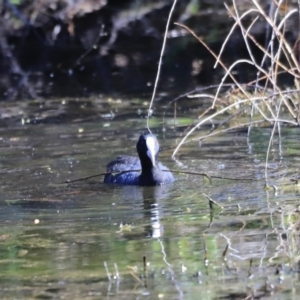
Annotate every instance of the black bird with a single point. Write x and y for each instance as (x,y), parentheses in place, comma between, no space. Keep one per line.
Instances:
(153,172)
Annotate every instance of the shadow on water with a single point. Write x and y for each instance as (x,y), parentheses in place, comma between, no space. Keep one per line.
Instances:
(89,240)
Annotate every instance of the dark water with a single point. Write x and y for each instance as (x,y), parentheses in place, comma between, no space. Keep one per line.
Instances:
(88,240)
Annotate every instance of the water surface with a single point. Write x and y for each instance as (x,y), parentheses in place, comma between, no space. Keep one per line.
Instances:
(88,240)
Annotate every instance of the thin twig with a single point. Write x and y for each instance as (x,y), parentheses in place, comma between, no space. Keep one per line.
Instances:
(170,170)
(160,63)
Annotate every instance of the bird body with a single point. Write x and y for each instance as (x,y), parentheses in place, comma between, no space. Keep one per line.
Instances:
(126,169)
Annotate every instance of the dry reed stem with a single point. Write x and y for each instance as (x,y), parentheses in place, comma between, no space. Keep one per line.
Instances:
(228,73)
(160,62)
(278,33)
(282,60)
(271,76)
(261,70)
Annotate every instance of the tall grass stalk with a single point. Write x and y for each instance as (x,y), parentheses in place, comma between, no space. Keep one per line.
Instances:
(160,62)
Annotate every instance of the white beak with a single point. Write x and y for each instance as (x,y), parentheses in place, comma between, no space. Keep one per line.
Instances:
(151,143)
